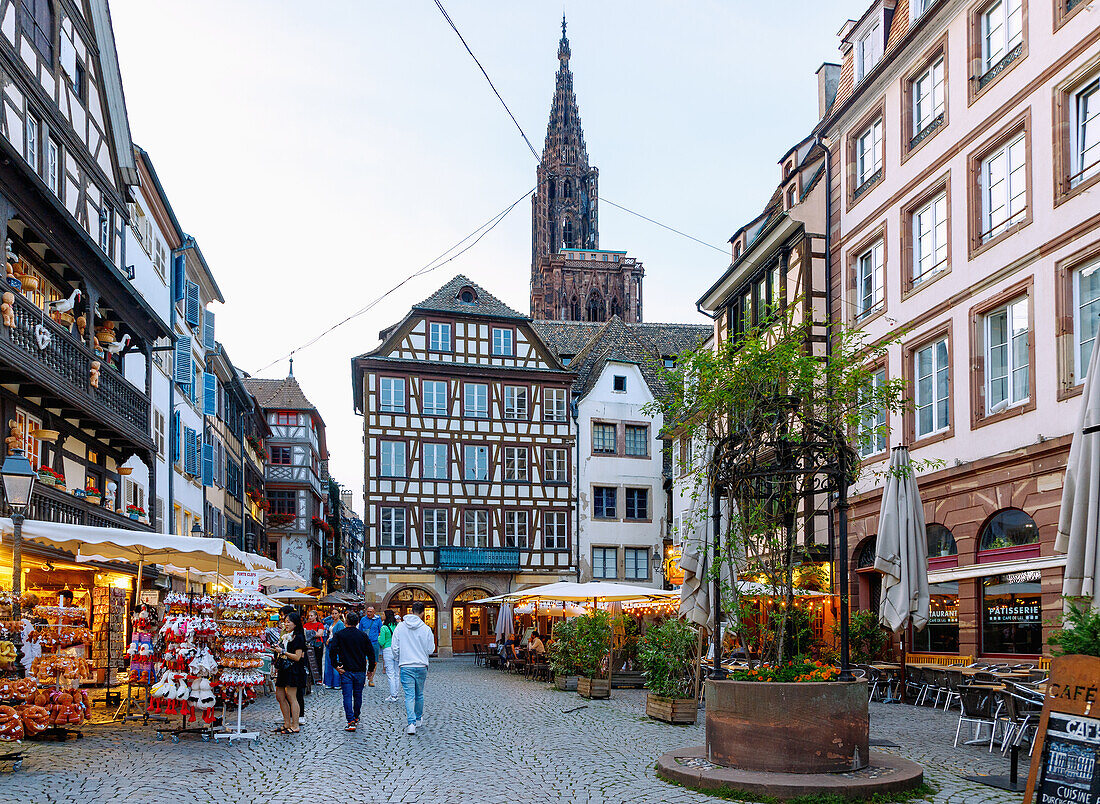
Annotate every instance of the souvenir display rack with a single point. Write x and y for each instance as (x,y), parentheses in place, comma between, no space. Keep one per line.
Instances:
(186,667)
(241,620)
(109,636)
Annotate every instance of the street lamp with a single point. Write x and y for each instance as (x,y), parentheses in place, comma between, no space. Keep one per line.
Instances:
(196,530)
(18,476)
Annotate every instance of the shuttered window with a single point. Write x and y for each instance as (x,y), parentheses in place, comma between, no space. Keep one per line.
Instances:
(191,304)
(183,361)
(190,451)
(210,394)
(208,331)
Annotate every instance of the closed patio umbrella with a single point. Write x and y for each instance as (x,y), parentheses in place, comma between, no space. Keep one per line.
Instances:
(504,627)
(901,551)
(1079,516)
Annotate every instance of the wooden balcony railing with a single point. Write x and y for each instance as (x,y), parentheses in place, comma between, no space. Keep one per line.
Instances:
(63,365)
(50,504)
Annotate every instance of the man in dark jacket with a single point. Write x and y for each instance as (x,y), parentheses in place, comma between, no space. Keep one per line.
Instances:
(353,657)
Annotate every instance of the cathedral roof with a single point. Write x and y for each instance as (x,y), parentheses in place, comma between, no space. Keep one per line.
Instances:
(594,345)
(448,300)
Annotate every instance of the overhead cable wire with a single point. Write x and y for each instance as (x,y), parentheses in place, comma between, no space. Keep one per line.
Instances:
(438,262)
(534,153)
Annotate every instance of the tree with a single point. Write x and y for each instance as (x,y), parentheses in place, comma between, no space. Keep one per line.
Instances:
(768,420)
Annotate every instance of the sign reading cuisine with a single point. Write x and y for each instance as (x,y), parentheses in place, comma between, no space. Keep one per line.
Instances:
(1065,767)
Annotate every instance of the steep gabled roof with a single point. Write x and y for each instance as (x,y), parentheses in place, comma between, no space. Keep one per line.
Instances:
(595,345)
(446,300)
(284,394)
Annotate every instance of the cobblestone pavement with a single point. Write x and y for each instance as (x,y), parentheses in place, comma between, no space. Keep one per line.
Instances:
(486,738)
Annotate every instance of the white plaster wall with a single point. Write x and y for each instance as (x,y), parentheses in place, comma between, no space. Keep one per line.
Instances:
(602,403)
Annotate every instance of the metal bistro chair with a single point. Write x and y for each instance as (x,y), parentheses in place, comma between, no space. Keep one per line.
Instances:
(479,655)
(915,684)
(977,709)
(954,680)
(935,684)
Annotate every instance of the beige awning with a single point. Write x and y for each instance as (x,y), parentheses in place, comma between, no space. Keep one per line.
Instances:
(996,568)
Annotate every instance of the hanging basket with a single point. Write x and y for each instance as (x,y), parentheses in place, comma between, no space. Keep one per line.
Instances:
(45,435)
(28,282)
(104,335)
(125,470)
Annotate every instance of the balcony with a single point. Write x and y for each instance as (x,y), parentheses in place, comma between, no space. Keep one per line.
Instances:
(61,370)
(476,559)
(49,504)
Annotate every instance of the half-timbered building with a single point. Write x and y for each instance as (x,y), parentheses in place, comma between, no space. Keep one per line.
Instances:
(467,436)
(296,451)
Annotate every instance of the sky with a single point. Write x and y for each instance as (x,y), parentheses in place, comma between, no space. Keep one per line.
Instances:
(321,152)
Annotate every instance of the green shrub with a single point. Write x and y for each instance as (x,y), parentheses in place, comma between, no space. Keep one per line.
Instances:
(1080,633)
(593,636)
(667,655)
(867,639)
(562,651)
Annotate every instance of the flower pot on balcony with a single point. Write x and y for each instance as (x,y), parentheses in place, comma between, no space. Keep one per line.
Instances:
(593,687)
(134,515)
(45,478)
(125,470)
(566,683)
(94,499)
(779,727)
(671,710)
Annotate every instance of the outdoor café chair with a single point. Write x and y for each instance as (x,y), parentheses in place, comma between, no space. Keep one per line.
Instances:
(479,655)
(977,709)
(954,681)
(878,682)
(915,684)
(985,677)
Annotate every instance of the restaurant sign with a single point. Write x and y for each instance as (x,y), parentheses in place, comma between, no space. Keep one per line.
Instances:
(1064,766)
(1017,613)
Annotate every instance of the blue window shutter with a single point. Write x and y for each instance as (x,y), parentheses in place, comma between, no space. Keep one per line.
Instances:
(208,331)
(175,436)
(208,464)
(179,276)
(191,304)
(190,451)
(209,394)
(183,361)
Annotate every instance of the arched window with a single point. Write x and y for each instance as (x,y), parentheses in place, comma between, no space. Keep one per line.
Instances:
(467,295)
(411,594)
(575,309)
(865,556)
(36,23)
(567,189)
(552,187)
(941,543)
(616,308)
(594,309)
(567,234)
(470,595)
(737,249)
(1009,527)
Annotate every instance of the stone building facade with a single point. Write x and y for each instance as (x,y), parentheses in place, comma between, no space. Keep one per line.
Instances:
(571,278)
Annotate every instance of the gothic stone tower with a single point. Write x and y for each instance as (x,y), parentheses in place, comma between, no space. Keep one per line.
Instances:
(571,279)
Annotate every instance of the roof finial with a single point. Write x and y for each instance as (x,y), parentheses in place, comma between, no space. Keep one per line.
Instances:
(291,367)
(563,24)
(563,45)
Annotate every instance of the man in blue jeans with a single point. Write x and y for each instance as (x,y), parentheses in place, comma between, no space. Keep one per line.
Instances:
(371,625)
(413,642)
(352,656)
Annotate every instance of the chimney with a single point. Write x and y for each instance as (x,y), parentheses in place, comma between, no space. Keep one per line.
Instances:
(828,77)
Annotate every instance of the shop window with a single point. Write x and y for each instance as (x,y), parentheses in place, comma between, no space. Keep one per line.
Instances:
(941,634)
(1012,613)
(1009,529)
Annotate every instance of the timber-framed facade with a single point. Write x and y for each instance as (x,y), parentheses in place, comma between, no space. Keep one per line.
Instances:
(468,479)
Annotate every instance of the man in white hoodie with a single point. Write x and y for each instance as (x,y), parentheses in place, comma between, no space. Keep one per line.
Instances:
(412,643)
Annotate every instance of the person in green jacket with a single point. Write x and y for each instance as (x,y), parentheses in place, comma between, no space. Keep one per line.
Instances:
(385,641)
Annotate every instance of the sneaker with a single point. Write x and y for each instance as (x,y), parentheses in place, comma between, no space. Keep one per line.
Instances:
(391,699)
(349,727)
(420,722)
(411,729)
(301,719)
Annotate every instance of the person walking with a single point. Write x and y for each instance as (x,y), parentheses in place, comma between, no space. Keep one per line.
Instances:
(334,625)
(413,642)
(385,641)
(290,671)
(353,657)
(371,625)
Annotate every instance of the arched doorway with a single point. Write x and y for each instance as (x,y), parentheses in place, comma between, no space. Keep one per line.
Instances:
(470,622)
(402,600)
(870,579)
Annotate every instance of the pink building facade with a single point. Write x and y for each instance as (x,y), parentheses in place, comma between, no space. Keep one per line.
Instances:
(964,223)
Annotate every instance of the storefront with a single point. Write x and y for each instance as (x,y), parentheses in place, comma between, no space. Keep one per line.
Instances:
(470,622)
(402,601)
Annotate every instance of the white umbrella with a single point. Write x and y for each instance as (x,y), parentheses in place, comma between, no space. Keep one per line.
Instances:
(593,590)
(1079,516)
(281,578)
(697,564)
(901,548)
(504,622)
(292,596)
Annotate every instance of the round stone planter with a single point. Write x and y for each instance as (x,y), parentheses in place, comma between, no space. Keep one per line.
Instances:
(813,727)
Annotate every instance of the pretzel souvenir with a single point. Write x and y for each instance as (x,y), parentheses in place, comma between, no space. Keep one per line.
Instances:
(11,726)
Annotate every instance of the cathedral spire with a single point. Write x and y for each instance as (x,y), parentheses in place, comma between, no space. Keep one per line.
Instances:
(563,45)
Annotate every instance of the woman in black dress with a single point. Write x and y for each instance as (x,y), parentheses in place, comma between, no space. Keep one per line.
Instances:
(290,672)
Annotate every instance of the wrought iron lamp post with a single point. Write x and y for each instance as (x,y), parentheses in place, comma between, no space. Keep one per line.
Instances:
(18,476)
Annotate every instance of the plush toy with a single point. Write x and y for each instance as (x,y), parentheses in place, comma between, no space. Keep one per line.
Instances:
(93,374)
(14,440)
(7,655)
(141,650)
(81,323)
(8,308)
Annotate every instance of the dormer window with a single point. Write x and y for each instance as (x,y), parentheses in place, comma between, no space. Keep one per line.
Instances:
(792,196)
(738,248)
(918,7)
(467,295)
(868,50)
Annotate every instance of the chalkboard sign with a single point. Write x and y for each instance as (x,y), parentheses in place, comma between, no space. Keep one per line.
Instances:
(1065,767)
(1069,771)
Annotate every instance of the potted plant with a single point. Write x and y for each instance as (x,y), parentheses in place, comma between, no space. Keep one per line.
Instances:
(767,418)
(667,654)
(593,647)
(135,511)
(91,492)
(50,477)
(562,654)
(279,520)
